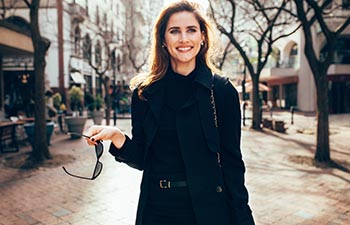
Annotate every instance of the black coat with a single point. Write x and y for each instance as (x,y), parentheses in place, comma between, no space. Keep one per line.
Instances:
(218,194)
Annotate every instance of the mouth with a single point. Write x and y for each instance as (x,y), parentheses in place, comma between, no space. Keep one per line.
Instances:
(184,49)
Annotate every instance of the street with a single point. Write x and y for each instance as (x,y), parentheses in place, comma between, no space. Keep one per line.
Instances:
(284,187)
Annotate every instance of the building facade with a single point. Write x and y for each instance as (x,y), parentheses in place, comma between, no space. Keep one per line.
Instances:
(287,80)
(289,77)
(84,34)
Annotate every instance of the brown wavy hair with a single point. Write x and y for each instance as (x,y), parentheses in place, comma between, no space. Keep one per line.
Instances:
(159,58)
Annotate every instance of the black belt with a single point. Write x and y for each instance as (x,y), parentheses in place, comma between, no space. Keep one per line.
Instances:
(165,184)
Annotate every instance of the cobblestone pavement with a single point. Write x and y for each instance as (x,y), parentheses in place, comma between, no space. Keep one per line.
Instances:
(282,189)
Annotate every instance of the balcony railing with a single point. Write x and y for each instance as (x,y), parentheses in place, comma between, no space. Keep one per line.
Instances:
(78,12)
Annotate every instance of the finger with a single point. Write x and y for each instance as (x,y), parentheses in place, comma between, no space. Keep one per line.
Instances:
(89,141)
(97,137)
(93,130)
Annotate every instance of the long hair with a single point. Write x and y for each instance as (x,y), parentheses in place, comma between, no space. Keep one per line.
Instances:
(159,58)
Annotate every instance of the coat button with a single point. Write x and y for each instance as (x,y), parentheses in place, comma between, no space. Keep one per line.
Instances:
(218,189)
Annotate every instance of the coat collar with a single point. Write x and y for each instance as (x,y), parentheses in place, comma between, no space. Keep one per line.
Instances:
(155,92)
(203,77)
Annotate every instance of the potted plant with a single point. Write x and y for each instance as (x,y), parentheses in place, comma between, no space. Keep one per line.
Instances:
(57,102)
(75,123)
(57,99)
(96,112)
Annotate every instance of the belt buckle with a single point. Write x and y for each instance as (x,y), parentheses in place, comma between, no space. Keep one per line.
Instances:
(164,184)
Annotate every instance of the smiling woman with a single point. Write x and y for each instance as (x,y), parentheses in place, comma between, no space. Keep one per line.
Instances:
(193,172)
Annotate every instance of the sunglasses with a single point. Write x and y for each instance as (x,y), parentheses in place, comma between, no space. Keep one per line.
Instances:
(98,165)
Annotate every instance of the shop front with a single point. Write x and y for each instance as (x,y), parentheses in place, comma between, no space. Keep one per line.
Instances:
(16,70)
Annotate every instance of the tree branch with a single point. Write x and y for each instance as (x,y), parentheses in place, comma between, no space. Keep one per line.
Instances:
(27,3)
(318,14)
(342,27)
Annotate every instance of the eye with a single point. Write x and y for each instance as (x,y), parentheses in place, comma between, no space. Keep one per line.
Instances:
(192,30)
(174,31)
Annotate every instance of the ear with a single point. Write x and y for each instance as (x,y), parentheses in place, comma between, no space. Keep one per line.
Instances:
(203,36)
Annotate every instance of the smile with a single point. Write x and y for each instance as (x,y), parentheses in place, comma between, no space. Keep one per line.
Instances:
(183,49)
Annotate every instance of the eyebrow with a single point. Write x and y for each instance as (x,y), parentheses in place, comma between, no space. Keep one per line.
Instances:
(188,27)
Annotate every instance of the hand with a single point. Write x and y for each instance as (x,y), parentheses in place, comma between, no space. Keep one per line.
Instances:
(98,133)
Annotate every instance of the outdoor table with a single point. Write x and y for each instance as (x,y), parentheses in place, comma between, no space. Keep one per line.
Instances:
(8,132)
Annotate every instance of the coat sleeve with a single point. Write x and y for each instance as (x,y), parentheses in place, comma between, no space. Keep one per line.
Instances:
(233,168)
(132,151)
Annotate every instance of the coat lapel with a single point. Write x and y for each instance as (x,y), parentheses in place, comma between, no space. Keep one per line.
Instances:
(155,97)
(202,93)
(207,119)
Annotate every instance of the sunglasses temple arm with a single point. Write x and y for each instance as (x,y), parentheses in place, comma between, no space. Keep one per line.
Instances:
(86,178)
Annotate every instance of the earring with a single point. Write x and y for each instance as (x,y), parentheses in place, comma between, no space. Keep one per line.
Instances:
(202,43)
(163,46)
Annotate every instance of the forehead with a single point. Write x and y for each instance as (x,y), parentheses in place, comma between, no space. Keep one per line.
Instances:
(182,19)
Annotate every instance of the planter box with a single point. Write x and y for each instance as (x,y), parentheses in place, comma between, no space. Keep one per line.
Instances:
(75,124)
(97,117)
(268,123)
(279,126)
(30,131)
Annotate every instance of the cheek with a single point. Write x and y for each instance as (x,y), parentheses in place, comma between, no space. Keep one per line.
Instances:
(168,39)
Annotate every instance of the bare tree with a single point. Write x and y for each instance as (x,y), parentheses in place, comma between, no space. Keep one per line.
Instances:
(101,66)
(138,32)
(224,55)
(41,45)
(311,13)
(264,23)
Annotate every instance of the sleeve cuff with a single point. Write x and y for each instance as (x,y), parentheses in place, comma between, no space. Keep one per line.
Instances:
(117,152)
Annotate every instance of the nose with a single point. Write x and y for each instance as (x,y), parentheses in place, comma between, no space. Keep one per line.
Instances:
(183,37)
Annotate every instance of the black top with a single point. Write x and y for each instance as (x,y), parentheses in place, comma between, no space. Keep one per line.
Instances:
(199,142)
(166,155)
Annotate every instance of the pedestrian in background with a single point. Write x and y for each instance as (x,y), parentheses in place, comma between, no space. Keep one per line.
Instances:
(186,129)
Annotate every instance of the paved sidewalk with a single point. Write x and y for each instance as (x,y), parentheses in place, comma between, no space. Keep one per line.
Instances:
(282,189)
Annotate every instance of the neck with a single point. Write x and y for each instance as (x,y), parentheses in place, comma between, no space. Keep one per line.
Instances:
(183,69)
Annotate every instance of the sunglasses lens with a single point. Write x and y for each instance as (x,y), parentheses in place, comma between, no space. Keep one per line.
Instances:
(99,150)
(98,170)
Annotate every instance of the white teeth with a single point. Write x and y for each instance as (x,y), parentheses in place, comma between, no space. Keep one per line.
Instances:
(184,49)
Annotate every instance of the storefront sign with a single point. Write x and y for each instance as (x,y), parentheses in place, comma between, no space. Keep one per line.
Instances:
(18,63)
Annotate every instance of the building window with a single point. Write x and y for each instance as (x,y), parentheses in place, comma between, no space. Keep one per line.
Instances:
(113,60)
(346,4)
(293,57)
(87,7)
(97,17)
(87,48)
(341,51)
(77,37)
(98,54)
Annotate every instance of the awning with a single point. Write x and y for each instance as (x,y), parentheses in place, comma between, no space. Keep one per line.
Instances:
(279,80)
(77,78)
(249,87)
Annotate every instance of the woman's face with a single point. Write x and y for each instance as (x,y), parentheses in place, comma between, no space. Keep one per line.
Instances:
(183,39)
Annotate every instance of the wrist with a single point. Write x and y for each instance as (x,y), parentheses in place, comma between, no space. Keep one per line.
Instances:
(118,139)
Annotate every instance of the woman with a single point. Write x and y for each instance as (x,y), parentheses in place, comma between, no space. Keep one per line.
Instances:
(193,170)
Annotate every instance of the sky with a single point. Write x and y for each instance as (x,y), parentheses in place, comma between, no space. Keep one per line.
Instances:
(204,3)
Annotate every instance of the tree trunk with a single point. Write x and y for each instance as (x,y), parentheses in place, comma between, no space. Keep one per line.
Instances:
(108,100)
(322,148)
(256,118)
(40,150)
